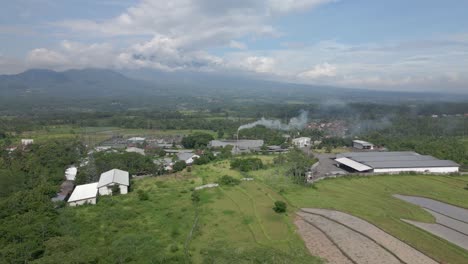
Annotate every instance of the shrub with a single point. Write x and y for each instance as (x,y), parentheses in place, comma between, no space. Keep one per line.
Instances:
(195,197)
(179,165)
(228,180)
(247,164)
(280,207)
(142,195)
(115,189)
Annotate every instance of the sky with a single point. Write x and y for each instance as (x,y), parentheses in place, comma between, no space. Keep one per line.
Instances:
(417,45)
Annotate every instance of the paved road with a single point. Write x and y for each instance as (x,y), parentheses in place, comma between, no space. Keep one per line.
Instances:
(451,221)
(455,212)
(327,165)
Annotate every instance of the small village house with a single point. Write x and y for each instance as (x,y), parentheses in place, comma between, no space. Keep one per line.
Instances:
(189,158)
(84,194)
(301,142)
(112,178)
(26,142)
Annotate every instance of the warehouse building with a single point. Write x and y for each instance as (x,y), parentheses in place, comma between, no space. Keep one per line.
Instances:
(394,162)
(361,144)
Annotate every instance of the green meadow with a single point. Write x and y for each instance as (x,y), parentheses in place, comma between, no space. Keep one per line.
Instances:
(236,224)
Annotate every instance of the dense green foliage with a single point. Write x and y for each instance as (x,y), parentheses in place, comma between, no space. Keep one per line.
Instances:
(297,164)
(246,164)
(179,166)
(134,163)
(28,180)
(197,140)
(228,180)
(280,207)
(270,136)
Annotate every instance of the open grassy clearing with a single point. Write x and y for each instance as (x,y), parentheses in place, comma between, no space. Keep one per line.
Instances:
(94,135)
(371,198)
(125,229)
(237,224)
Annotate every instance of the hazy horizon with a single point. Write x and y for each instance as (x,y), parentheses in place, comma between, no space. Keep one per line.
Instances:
(377,45)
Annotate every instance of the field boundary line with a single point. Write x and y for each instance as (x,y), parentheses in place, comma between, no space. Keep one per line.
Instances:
(354,230)
(240,210)
(382,231)
(190,234)
(329,238)
(253,204)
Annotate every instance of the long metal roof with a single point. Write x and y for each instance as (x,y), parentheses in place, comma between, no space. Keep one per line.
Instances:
(353,164)
(396,159)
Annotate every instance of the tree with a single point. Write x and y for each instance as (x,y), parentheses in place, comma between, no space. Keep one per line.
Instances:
(280,207)
(298,163)
(115,189)
(228,180)
(220,133)
(247,164)
(179,166)
(197,140)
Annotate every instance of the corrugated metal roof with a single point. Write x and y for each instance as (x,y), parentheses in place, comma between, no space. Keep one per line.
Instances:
(353,164)
(362,142)
(242,144)
(412,164)
(396,159)
(85,191)
(114,176)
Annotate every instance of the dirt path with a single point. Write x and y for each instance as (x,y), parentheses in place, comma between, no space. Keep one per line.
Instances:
(401,250)
(318,243)
(357,247)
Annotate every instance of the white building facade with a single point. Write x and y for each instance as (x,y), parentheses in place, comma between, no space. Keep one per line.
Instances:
(301,142)
(112,178)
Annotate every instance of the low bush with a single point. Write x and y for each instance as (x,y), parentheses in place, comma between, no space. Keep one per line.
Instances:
(280,207)
(228,180)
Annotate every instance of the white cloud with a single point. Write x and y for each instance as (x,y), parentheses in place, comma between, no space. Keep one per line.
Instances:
(237,45)
(321,70)
(259,64)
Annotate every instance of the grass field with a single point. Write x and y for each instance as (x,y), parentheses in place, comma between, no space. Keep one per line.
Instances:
(237,224)
(94,135)
(371,198)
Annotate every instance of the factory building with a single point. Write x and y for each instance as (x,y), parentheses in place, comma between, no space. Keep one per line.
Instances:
(394,162)
(361,144)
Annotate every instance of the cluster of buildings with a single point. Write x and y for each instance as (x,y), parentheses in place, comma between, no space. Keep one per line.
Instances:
(367,158)
(336,128)
(108,182)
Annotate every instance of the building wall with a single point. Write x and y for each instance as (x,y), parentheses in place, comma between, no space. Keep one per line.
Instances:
(431,170)
(107,190)
(302,142)
(81,202)
(361,146)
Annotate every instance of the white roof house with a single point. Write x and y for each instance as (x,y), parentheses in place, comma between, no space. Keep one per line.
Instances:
(361,144)
(84,194)
(301,142)
(70,173)
(26,142)
(137,139)
(135,150)
(113,177)
(189,158)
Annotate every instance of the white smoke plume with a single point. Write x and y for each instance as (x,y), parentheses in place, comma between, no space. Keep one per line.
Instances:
(298,122)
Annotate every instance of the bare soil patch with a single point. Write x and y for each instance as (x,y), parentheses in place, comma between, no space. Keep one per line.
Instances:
(318,243)
(356,246)
(400,249)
